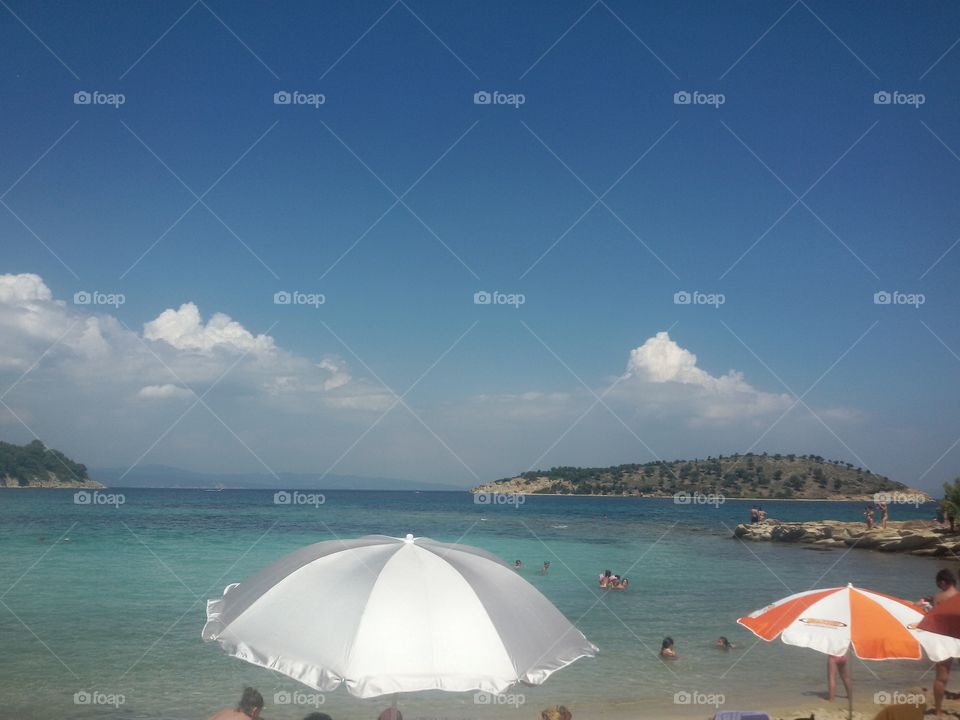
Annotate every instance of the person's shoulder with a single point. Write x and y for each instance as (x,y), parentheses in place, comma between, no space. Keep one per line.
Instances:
(228,714)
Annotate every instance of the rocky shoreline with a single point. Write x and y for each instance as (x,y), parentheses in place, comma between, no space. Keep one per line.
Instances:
(9,483)
(924,538)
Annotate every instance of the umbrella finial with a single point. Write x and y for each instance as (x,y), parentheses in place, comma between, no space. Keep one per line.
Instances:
(408,538)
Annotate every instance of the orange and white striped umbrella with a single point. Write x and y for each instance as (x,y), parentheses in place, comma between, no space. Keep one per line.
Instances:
(878,626)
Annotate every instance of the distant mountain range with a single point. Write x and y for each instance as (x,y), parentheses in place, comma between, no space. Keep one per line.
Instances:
(799,477)
(166,476)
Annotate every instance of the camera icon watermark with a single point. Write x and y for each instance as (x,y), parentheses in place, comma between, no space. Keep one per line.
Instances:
(95,97)
(490,498)
(699,498)
(884,697)
(86,497)
(682,297)
(295,97)
(695,97)
(84,297)
(296,297)
(95,697)
(883,297)
(509,699)
(298,697)
(900,498)
(294,497)
(693,697)
(484,97)
(482,297)
(895,97)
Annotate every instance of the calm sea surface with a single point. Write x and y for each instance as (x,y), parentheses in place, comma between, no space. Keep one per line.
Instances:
(110,600)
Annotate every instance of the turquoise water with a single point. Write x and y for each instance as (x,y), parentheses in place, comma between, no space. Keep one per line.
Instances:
(117,605)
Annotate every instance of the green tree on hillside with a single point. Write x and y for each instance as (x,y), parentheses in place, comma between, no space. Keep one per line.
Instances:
(950,504)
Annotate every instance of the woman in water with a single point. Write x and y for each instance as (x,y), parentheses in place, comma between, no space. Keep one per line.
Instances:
(724,644)
(666,649)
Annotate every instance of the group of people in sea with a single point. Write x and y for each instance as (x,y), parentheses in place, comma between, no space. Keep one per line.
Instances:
(544,569)
(251,705)
(669,652)
(609,581)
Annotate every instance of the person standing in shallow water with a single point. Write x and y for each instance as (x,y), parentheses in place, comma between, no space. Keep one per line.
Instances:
(947,586)
(838,665)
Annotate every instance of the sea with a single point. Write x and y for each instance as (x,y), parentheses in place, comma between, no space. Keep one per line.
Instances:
(102,599)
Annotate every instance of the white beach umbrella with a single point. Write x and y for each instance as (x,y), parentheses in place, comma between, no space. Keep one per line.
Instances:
(387,615)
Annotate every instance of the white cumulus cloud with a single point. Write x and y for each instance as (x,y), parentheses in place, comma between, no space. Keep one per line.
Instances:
(23,288)
(184,329)
(663,366)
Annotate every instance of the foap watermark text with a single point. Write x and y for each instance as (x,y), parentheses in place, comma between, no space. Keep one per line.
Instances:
(699,498)
(884,697)
(295,97)
(895,97)
(96,697)
(283,297)
(900,498)
(298,697)
(86,497)
(95,97)
(695,97)
(693,697)
(509,699)
(483,97)
(884,297)
(482,297)
(682,297)
(294,497)
(84,297)
(489,498)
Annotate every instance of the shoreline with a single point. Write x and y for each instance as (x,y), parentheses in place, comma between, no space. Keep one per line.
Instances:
(862,499)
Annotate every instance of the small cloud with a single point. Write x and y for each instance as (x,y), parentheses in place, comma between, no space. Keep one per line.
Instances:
(163,392)
(184,329)
(338,374)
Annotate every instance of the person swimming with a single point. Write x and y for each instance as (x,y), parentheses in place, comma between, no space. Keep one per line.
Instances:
(724,644)
(605,578)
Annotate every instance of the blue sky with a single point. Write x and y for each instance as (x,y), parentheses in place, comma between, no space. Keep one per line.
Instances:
(598,199)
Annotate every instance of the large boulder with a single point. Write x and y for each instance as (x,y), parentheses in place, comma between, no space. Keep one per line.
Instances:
(915,541)
(788,533)
(873,539)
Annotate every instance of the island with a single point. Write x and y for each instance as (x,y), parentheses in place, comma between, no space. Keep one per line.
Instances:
(748,476)
(34,465)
